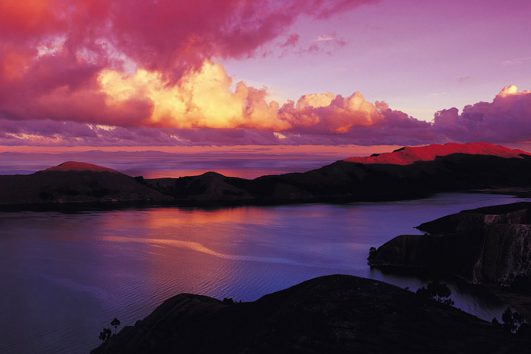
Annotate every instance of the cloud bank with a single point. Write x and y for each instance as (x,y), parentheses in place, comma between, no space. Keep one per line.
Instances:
(136,72)
(313,119)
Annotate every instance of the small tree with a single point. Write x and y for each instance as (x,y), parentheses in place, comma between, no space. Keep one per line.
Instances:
(513,322)
(228,301)
(105,334)
(372,253)
(437,291)
(115,324)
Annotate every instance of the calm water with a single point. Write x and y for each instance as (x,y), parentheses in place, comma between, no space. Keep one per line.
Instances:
(65,276)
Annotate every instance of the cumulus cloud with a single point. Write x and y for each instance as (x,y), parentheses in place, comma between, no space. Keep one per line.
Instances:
(144,72)
(53,53)
(506,119)
(201,99)
(251,119)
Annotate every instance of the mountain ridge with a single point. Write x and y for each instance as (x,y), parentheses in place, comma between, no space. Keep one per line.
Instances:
(408,155)
(77,183)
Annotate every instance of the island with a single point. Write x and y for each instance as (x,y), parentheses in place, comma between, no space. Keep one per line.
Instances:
(406,173)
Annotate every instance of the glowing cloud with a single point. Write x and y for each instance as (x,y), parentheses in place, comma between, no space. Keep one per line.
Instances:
(200,99)
(80,71)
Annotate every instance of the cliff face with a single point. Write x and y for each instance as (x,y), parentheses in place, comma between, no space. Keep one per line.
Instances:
(505,256)
(332,314)
(485,246)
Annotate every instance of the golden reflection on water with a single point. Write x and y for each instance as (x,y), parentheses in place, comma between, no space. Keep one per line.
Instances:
(195,250)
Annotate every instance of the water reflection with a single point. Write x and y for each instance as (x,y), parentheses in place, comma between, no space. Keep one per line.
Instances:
(66,275)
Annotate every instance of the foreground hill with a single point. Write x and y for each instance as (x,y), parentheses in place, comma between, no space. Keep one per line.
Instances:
(332,314)
(410,172)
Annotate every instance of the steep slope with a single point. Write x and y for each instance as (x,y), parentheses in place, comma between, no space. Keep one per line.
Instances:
(489,246)
(332,314)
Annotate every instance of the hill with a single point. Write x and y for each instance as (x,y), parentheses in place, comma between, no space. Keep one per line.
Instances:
(410,172)
(408,155)
(74,183)
(331,314)
(489,167)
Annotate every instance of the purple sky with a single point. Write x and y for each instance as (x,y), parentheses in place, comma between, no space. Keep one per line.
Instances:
(234,72)
(420,56)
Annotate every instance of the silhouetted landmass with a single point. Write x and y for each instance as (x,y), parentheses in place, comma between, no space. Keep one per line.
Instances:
(489,246)
(343,181)
(332,314)
(74,183)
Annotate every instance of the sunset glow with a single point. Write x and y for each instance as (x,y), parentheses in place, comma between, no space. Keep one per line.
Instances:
(265,176)
(229,72)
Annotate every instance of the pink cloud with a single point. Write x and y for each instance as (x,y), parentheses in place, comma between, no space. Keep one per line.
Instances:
(506,119)
(314,119)
(140,72)
(291,41)
(52,52)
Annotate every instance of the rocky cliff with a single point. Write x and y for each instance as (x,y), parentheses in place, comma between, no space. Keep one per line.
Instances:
(332,314)
(489,246)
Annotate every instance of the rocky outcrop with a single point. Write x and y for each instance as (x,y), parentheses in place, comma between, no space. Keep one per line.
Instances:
(332,314)
(489,246)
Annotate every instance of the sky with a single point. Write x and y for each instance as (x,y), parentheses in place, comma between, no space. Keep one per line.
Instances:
(264,72)
(247,161)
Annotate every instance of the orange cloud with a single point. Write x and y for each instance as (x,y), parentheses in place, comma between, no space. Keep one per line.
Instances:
(200,99)
(205,99)
(96,54)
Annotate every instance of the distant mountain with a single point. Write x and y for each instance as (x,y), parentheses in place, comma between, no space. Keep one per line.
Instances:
(408,155)
(71,166)
(73,183)
(430,169)
(410,172)
(332,314)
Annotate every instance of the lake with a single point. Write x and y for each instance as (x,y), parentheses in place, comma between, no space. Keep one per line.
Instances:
(67,275)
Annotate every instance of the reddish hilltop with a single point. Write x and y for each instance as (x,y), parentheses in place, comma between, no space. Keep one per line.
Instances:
(80,166)
(408,155)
